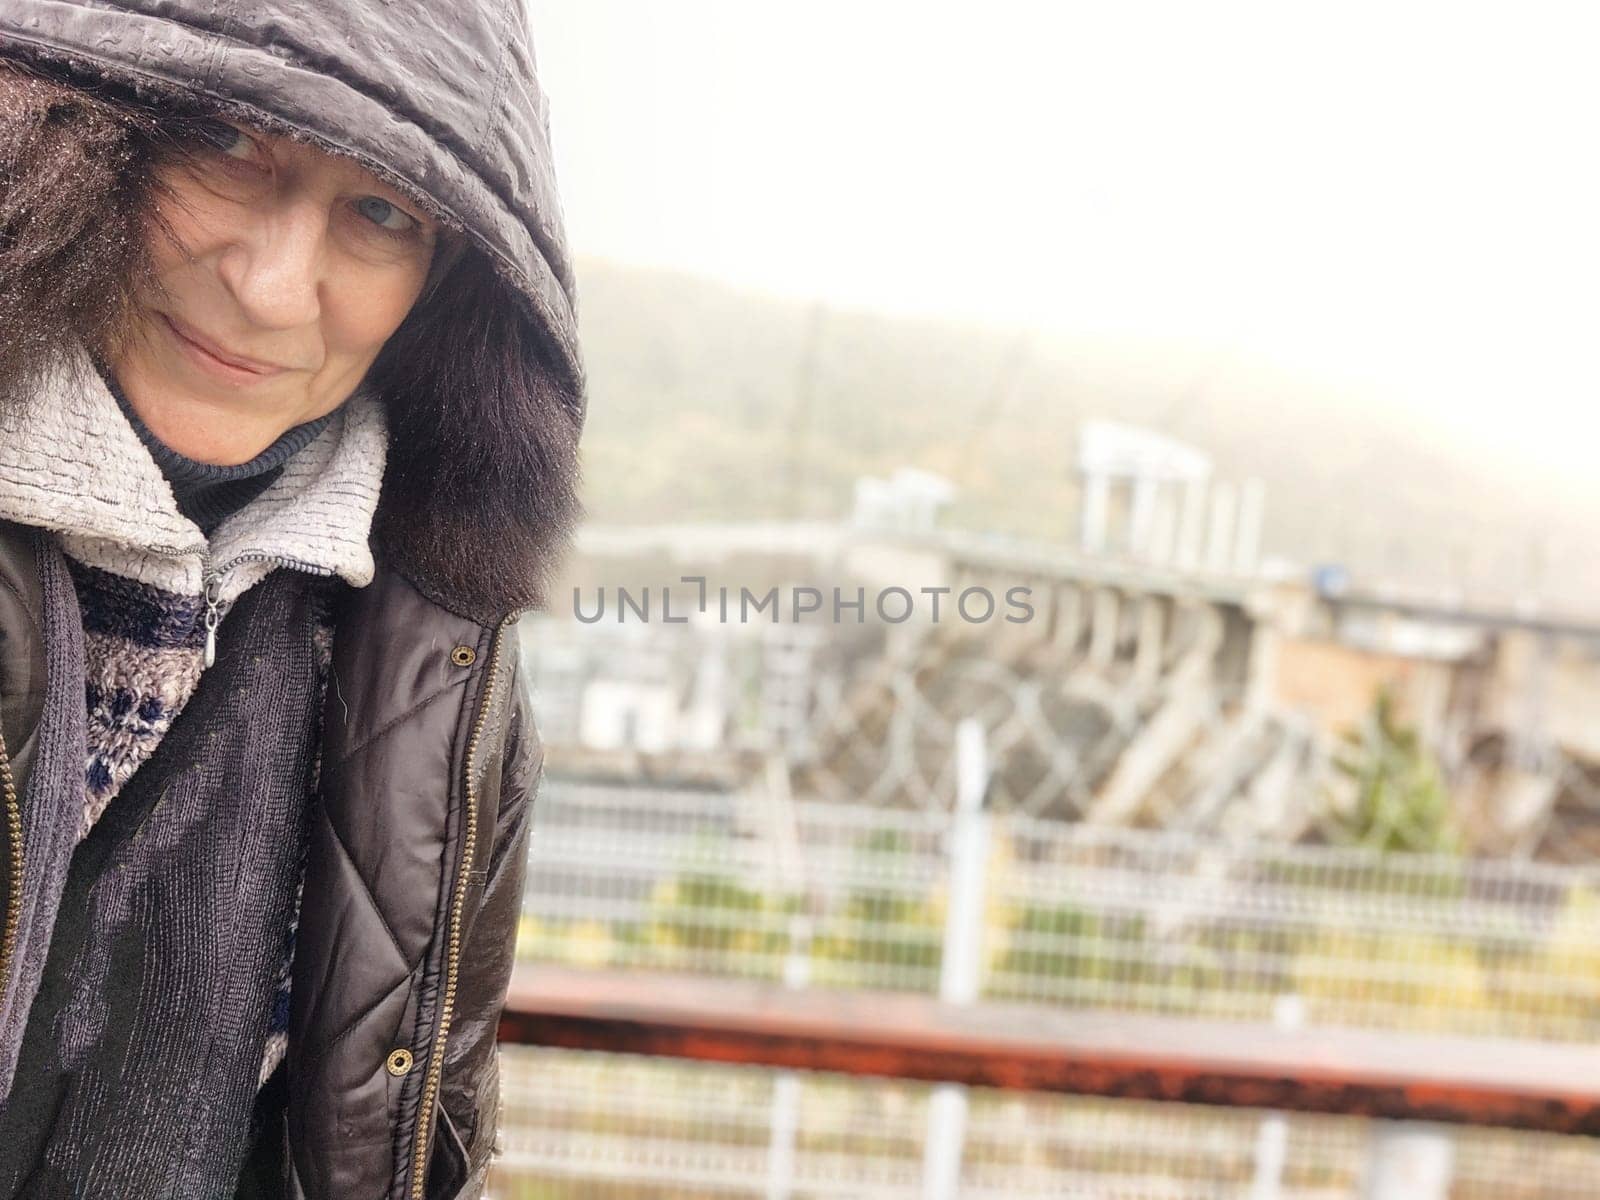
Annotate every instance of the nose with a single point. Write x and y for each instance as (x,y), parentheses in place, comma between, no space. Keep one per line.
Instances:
(274,266)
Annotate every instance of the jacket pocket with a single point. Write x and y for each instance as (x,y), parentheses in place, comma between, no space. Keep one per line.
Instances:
(447,1163)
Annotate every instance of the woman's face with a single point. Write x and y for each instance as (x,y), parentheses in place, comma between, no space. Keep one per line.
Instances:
(287,270)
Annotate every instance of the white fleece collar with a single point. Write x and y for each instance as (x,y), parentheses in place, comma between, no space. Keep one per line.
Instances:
(71,463)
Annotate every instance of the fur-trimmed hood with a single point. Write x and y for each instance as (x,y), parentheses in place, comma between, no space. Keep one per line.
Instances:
(483,384)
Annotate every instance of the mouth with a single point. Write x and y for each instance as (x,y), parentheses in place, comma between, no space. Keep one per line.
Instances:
(208,355)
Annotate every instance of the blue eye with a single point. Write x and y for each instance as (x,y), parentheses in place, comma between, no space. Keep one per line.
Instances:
(227,139)
(380,212)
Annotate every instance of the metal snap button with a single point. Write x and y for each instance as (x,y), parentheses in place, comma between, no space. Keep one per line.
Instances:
(463,656)
(399,1061)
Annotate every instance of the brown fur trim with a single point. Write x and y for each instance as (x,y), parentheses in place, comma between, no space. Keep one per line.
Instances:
(480,494)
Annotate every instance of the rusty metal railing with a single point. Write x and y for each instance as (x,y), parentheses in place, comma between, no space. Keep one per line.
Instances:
(1503,1083)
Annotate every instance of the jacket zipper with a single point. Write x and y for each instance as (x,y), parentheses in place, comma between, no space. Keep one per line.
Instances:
(211,578)
(430,1085)
(211,583)
(13,918)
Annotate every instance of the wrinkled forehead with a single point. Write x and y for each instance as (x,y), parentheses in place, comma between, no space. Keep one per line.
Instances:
(296,150)
(293,146)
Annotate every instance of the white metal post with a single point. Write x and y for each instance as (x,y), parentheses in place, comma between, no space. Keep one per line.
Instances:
(1272,1136)
(1409,1160)
(961,967)
(785,1118)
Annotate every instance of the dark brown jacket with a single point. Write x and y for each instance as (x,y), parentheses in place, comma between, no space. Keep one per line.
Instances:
(415,869)
(413,884)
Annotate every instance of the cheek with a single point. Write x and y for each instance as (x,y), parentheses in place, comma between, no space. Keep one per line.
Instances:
(361,311)
(195,222)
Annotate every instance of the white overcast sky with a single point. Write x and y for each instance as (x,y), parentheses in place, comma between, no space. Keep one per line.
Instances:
(1402,197)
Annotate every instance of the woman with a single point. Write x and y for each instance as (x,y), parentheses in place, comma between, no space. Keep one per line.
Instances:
(290,398)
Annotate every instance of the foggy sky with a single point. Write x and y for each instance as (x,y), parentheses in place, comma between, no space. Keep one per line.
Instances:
(1397,200)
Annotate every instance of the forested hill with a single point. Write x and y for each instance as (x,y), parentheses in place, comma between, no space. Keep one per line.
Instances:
(708,403)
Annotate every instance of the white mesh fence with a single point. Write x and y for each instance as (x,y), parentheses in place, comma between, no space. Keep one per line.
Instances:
(1131,920)
(744,885)
(617,1127)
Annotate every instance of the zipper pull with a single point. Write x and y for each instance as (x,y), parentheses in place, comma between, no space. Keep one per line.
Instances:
(213,617)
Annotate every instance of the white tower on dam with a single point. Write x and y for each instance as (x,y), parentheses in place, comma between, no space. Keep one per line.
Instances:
(1176,515)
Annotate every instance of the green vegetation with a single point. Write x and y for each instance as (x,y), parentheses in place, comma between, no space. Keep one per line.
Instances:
(1400,798)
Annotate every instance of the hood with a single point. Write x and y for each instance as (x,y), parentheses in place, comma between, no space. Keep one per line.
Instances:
(485,402)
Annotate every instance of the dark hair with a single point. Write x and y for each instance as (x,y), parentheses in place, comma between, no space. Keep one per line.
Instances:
(480,493)
(71,256)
